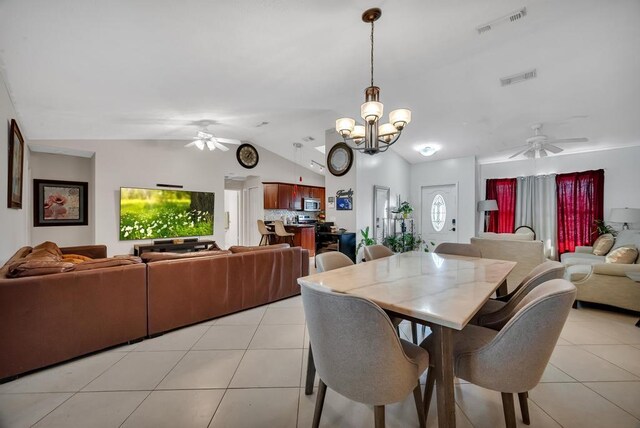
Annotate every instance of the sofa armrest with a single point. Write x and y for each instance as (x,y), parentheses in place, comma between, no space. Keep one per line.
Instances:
(615,269)
(93,251)
(584,249)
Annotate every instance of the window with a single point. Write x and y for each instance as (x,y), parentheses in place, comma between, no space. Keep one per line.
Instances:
(438,212)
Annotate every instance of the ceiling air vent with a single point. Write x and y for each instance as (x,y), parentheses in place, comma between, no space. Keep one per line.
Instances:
(520,77)
(512,17)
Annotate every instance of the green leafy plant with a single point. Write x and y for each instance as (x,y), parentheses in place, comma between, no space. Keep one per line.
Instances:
(403,242)
(366,239)
(427,244)
(602,228)
(405,209)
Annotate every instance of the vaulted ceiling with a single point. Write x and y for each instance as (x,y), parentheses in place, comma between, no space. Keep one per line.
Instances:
(162,69)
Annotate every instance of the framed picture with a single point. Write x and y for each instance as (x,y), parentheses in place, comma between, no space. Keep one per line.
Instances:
(344,203)
(331,200)
(60,203)
(16,157)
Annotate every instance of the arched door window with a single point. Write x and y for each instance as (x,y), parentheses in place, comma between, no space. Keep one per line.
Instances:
(438,212)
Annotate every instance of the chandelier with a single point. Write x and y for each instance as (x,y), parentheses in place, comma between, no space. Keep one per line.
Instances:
(373,137)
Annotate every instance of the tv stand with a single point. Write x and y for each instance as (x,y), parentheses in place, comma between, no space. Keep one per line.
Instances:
(185,247)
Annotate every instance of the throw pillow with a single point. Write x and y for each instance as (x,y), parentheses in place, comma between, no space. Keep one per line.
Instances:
(20,254)
(49,247)
(623,255)
(603,244)
(27,267)
(75,258)
(107,262)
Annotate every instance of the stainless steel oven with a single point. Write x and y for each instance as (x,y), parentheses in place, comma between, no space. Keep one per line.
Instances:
(311,204)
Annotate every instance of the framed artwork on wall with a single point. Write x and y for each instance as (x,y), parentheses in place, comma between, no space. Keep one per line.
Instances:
(60,203)
(16,158)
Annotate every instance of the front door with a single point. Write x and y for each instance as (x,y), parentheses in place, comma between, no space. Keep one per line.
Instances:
(439,213)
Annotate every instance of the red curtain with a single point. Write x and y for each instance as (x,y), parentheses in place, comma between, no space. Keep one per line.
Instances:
(503,190)
(580,202)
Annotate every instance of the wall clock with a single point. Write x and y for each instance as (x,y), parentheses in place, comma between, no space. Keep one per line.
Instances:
(340,159)
(247,155)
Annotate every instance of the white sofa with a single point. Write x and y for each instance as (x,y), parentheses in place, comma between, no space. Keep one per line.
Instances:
(605,283)
(516,247)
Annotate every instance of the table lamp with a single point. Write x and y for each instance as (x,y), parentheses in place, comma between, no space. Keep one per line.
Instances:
(625,216)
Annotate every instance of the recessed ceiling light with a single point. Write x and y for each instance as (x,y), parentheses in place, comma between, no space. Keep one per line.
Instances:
(428,150)
(321,149)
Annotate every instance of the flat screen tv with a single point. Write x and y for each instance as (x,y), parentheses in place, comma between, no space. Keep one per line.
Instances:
(159,213)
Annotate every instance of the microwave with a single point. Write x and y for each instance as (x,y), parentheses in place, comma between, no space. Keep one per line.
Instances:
(310,204)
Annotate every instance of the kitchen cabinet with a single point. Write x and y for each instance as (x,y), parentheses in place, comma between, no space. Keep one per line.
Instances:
(305,237)
(280,196)
(271,196)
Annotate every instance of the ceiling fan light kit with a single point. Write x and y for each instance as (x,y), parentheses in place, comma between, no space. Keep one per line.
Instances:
(539,145)
(373,137)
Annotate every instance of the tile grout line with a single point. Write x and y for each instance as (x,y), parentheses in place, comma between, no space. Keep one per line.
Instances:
(236,370)
(624,410)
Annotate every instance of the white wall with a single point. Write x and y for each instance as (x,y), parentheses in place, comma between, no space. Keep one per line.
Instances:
(68,168)
(13,222)
(621,173)
(460,171)
(386,169)
(344,219)
(145,163)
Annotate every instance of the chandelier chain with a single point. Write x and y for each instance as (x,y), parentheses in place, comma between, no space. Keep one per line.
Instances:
(371,53)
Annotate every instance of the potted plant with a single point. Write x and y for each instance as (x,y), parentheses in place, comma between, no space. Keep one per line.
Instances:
(366,239)
(602,228)
(405,209)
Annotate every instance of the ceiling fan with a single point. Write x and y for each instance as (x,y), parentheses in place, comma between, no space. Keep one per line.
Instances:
(204,139)
(539,144)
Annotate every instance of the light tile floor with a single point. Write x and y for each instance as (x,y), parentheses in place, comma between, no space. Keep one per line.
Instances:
(247,370)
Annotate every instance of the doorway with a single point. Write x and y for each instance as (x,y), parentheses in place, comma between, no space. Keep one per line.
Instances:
(232,217)
(381,201)
(439,213)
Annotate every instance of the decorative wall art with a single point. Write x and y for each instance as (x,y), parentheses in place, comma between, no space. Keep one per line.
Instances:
(16,157)
(60,203)
(331,201)
(344,200)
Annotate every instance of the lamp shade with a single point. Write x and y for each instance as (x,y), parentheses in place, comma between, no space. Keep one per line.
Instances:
(625,215)
(345,125)
(371,111)
(358,131)
(400,117)
(488,205)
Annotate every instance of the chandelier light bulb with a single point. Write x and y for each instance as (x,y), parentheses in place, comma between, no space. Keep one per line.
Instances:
(371,111)
(344,126)
(400,118)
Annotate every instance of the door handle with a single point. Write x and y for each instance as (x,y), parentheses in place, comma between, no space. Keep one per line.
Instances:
(453,229)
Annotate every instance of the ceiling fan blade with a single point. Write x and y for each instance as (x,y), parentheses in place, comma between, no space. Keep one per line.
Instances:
(530,154)
(211,145)
(228,140)
(553,149)
(570,140)
(518,153)
(193,143)
(543,153)
(220,146)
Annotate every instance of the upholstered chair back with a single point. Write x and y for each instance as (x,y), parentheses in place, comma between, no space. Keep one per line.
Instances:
(262,228)
(373,252)
(332,260)
(454,248)
(355,348)
(515,359)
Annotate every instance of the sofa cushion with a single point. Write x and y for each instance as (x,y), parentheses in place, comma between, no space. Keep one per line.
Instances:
(507,236)
(153,256)
(35,267)
(240,249)
(603,244)
(627,237)
(20,254)
(107,262)
(580,258)
(623,255)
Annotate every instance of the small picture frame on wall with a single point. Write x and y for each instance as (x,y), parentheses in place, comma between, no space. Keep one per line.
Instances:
(16,158)
(60,203)
(344,204)
(331,201)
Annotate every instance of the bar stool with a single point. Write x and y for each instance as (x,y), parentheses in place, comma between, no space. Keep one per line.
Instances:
(281,233)
(266,235)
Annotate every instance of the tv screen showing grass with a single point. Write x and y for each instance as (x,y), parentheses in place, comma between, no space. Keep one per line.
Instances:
(158,213)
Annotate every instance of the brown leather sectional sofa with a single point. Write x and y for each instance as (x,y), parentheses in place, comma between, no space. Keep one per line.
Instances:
(187,291)
(48,319)
(52,318)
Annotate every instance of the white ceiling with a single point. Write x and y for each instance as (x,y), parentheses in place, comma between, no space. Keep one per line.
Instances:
(155,69)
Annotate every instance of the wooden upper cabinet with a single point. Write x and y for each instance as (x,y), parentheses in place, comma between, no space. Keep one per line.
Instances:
(280,196)
(271,196)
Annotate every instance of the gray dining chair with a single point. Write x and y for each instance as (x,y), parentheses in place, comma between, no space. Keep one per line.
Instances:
(456,249)
(496,312)
(372,252)
(513,359)
(358,354)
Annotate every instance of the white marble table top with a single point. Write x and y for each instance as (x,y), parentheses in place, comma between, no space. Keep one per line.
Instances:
(437,288)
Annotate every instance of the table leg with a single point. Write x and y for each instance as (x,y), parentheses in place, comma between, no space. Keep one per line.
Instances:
(502,289)
(444,376)
(311,374)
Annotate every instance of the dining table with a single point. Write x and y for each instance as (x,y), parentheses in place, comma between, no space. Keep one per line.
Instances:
(441,291)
